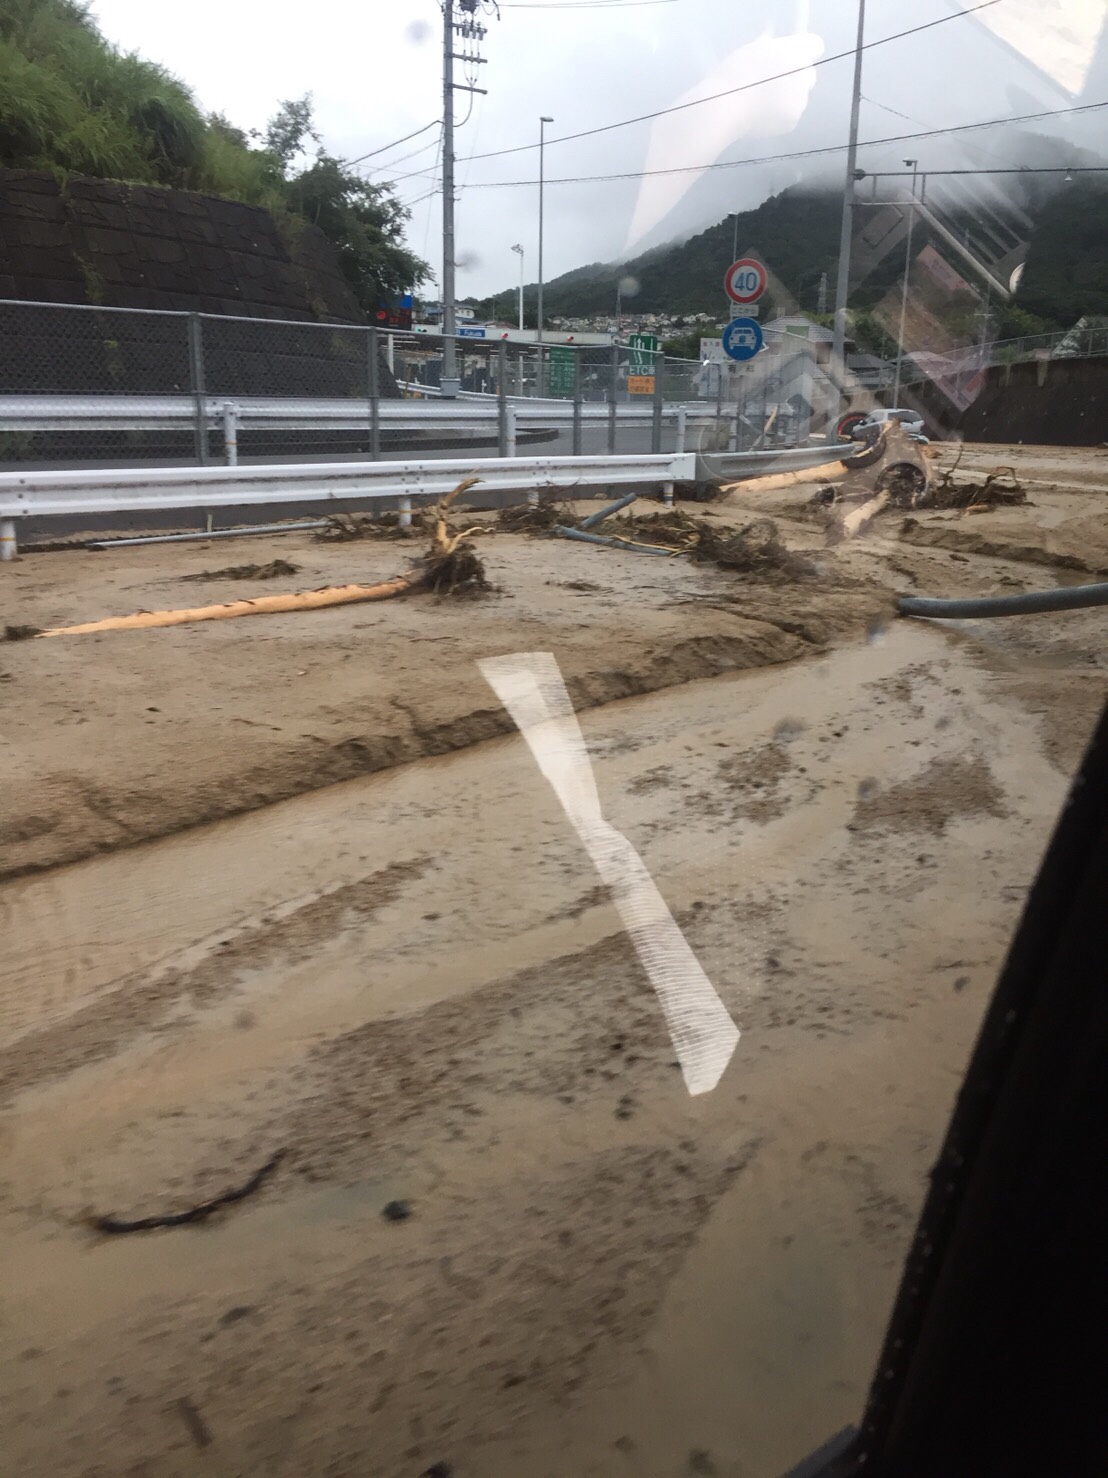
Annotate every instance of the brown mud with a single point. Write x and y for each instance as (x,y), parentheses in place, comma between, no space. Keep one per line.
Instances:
(392,960)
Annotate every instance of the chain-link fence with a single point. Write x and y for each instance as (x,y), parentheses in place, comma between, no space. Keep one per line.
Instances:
(83,384)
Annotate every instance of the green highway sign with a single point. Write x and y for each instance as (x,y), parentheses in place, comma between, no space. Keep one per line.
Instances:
(559,371)
(643,348)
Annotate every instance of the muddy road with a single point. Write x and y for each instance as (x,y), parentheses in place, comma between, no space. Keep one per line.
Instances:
(395,963)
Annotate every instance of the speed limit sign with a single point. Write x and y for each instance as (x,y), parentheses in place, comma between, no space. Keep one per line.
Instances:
(745,281)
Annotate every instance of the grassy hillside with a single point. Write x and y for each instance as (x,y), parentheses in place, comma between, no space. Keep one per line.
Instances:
(73,104)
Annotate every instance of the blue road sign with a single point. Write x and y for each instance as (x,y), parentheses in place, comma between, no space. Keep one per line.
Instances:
(742,338)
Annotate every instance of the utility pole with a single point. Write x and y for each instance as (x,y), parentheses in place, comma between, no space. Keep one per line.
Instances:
(846,237)
(543,121)
(914,163)
(449,384)
(467,28)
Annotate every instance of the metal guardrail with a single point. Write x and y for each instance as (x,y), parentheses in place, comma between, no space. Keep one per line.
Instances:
(63,414)
(136,489)
(726,466)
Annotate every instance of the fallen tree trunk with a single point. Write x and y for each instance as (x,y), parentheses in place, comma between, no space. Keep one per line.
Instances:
(449,564)
(828,472)
(856,521)
(304,600)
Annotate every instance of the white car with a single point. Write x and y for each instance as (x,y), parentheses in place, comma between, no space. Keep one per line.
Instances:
(911,422)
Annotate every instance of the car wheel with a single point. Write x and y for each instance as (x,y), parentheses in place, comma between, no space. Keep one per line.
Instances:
(846,425)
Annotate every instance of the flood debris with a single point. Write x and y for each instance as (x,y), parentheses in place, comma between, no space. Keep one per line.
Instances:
(773,482)
(275,569)
(346,527)
(450,566)
(116,1226)
(21,633)
(537,518)
(1001,488)
(756,548)
(397,1211)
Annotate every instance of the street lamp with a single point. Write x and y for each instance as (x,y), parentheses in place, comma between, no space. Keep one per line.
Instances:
(913,165)
(543,121)
(519,249)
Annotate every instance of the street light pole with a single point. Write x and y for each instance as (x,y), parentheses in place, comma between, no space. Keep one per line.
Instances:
(519,249)
(543,121)
(846,236)
(914,163)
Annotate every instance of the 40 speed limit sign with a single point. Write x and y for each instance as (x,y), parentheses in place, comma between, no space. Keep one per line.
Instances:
(745,281)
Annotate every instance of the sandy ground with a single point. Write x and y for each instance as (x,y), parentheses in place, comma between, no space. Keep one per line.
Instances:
(292,883)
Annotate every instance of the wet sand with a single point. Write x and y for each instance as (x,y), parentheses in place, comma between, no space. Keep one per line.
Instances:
(413,983)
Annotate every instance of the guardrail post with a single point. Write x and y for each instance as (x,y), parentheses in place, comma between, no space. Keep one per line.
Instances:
(682,426)
(230,434)
(502,399)
(405,519)
(510,430)
(9,545)
(659,391)
(612,401)
(196,376)
(578,388)
(373,378)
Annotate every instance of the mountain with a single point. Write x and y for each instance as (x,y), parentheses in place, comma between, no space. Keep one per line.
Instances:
(795,233)
(1066,275)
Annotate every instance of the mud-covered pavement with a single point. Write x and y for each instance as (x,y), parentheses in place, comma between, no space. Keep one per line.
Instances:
(412,981)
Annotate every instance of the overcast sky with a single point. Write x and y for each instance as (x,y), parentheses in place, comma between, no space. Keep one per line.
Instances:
(375,73)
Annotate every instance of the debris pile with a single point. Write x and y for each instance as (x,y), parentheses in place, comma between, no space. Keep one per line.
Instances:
(539,518)
(1000,489)
(344,527)
(756,548)
(275,569)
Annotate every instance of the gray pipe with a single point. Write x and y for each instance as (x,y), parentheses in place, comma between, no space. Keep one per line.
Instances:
(265,528)
(611,543)
(1066,598)
(603,513)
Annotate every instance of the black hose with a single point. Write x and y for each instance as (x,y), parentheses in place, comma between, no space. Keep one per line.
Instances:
(1066,598)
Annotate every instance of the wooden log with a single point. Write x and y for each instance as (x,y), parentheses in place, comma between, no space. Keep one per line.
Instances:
(305,600)
(828,472)
(854,522)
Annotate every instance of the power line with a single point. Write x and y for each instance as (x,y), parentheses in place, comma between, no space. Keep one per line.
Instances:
(384,149)
(745,87)
(902,138)
(414,154)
